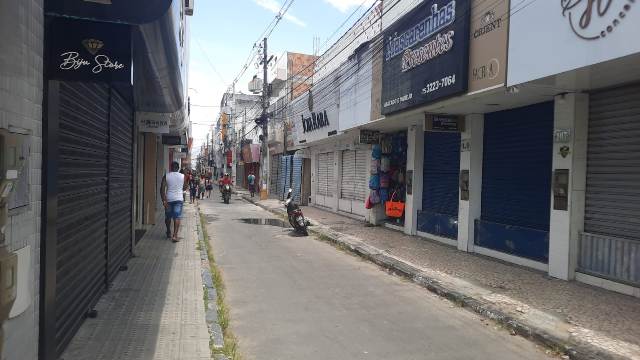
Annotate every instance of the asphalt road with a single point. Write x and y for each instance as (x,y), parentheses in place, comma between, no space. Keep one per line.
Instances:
(296,297)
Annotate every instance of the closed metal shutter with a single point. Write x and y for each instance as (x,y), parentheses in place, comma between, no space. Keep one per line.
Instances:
(325,174)
(611,245)
(120,183)
(361,189)
(439,215)
(282,169)
(516,180)
(297,178)
(240,175)
(273,174)
(287,173)
(348,177)
(82,205)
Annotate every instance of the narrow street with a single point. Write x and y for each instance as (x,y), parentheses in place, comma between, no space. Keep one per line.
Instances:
(296,297)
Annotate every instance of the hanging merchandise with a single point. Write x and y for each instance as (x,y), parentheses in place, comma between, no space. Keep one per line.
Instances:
(387,145)
(368,204)
(374,182)
(375,166)
(374,197)
(385,164)
(385,178)
(376,151)
(394,208)
(384,195)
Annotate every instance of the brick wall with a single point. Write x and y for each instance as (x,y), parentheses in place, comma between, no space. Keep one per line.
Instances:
(21,84)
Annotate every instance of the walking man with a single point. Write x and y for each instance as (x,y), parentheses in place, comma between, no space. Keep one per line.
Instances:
(171,190)
(252,183)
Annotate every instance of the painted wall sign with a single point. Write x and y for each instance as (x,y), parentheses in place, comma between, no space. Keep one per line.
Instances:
(573,34)
(488,44)
(90,51)
(426,55)
(316,121)
(129,12)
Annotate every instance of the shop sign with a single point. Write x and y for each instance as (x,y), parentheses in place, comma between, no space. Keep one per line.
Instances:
(488,44)
(150,125)
(443,123)
(426,55)
(315,121)
(171,140)
(551,37)
(465,145)
(369,136)
(90,51)
(562,135)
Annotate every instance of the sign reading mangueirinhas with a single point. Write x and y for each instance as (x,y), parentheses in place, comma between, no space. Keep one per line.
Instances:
(426,55)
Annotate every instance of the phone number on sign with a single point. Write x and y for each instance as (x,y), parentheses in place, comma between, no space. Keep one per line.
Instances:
(438,84)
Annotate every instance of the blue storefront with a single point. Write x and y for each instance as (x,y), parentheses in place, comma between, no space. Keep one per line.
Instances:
(516,182)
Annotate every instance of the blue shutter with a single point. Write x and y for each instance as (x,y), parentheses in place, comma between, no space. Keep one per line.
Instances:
(287,173)
(516,181)
(439,214)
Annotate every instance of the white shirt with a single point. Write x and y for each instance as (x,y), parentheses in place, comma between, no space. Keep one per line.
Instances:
(175,183)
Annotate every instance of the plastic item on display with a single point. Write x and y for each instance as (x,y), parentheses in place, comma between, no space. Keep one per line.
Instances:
(375,166)
(376,151)
(394,208)
(401,177)
(387,145)
(368,204)
(385,178)
(384,195)
(374,182)
(374,197)
(385,164)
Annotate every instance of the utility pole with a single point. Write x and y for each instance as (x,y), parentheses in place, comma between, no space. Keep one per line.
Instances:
(264,167)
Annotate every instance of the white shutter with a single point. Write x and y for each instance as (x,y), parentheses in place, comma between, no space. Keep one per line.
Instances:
(325,173)
(330,175)
(361,187)
(348,177)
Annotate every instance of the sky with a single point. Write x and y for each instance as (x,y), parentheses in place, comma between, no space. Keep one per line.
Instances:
(223,33)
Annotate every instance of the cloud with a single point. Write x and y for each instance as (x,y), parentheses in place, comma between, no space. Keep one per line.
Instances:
(344,5)
(274,6)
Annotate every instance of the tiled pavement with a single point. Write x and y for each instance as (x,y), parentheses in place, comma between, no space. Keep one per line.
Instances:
(154,310)
(587,313)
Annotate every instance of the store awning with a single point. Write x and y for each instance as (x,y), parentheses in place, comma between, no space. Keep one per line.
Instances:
(120,11)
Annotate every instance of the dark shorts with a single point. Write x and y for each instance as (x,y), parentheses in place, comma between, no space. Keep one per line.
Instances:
(174,210)
(252,187)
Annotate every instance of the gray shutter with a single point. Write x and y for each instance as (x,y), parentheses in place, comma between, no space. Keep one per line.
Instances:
(611,247)
(330,175)
(348,178)
(325,173)
(361,177)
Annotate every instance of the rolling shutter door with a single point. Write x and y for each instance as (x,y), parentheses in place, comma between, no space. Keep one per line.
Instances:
(439,213)
(273,176)
(361,179)
(297,178)
(325,174)
(282,168)
(120,183)
(610,246)
(82,205)
(287,173)
(516,181)
(348,178)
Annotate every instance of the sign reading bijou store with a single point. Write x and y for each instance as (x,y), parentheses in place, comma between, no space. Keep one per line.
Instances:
(90,51)
(426,55)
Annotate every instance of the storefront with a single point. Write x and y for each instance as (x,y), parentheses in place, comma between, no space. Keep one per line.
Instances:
(610,243)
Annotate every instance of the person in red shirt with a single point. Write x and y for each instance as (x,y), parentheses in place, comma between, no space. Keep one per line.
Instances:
(226,180)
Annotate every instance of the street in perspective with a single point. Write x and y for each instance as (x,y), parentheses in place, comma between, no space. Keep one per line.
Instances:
(319,179)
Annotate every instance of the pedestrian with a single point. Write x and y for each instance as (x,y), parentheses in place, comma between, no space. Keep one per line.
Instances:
(193,188)
(172,191)
(209,187)
(201,187)
(252,184)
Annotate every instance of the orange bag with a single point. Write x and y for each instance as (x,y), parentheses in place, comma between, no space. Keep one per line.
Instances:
(394,209)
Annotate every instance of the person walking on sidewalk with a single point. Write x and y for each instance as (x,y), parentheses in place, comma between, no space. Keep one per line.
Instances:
(252,184)
(171,190)
(201,187)
(193,188)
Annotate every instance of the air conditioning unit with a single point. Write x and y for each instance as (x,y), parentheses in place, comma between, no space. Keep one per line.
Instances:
(188,7)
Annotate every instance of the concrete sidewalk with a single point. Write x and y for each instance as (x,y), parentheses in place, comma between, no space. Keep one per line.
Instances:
(586,321)
(155,309)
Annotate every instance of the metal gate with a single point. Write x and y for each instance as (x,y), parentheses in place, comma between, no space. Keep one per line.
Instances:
(348,176)
(82,205)
(120,183)
(610,244)
(439,214)
(325,174)
(296,180)
(273,172)
(516,182)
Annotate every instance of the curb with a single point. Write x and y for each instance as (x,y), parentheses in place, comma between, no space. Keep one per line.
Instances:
(211,313)
(574,350)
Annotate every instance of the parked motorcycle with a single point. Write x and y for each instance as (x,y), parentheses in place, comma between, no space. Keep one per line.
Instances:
(226,193)
(296,218)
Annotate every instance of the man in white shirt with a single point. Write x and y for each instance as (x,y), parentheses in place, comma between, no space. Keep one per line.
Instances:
(171,191)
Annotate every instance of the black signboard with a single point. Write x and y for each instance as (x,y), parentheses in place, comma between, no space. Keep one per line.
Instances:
(426,55)
(90,51)
(122,11)
(444,123)
(172,140)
